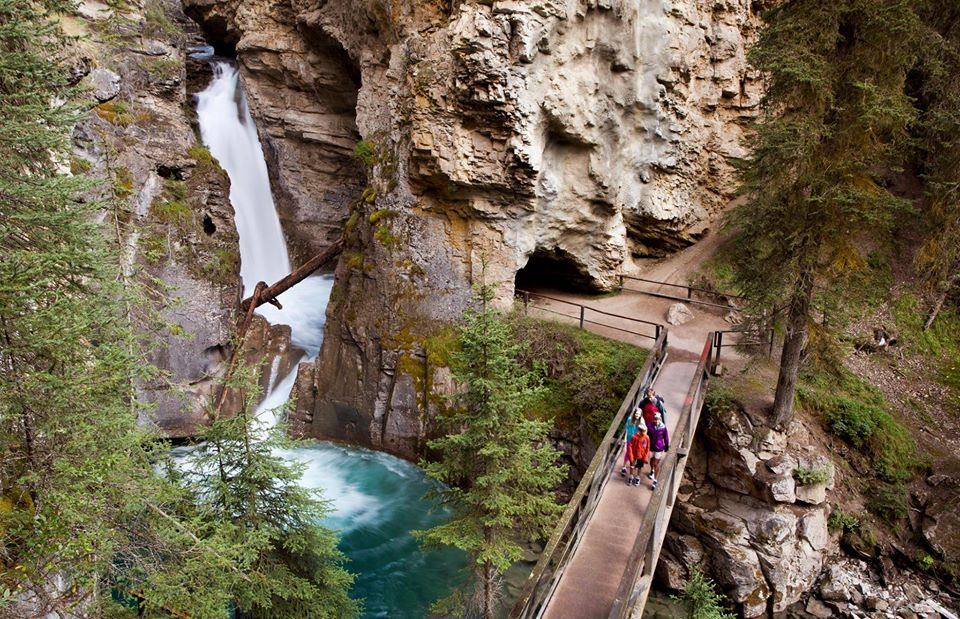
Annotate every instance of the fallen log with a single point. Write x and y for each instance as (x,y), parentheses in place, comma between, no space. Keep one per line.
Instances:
(270,294)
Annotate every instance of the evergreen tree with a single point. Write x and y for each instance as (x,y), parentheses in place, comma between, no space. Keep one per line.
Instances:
(499,482)
(835,116)
(250,498)
(74,471)
(939,258)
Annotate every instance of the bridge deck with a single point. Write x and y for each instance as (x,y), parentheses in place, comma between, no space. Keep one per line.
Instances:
(588,586)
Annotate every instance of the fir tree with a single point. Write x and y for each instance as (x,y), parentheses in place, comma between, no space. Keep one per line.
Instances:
(75,472)
(499,481)
(835,116)
(249,497)
(939,98)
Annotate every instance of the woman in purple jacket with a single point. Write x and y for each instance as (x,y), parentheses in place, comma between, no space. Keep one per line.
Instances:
(659,444)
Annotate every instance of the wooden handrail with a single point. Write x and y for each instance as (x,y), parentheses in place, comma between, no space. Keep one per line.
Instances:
(635,583)
(573,522)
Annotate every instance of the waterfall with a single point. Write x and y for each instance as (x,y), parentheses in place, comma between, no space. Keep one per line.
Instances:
(375,497)
(227,129)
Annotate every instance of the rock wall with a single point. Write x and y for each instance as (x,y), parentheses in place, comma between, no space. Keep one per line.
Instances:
(165,199)
(582,132)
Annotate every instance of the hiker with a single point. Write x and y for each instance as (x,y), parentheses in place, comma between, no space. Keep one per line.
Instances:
(659,444)
(652,404)
(633,422)
(637,450)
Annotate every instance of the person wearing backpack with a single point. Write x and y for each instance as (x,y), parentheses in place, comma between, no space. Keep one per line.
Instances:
(637,450)
(659,445)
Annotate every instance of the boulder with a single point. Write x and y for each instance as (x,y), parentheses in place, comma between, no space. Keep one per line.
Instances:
(818,609)
(679,314)
(104,84)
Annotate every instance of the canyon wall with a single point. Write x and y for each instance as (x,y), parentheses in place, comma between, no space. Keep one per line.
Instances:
(457,142)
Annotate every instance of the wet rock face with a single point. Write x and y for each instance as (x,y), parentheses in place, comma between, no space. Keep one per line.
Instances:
(585,132)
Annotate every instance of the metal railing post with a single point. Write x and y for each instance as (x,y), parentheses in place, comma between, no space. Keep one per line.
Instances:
(583,310)
(526,301)
(770,352)
(718,343)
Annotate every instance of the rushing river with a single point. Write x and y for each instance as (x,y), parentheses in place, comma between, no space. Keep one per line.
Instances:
(376,498)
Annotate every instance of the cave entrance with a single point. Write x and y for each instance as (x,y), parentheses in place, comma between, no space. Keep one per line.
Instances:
(556,269)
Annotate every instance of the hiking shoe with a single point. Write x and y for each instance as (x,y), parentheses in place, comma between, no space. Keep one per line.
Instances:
(650,474)
(654,486)
(636,481)
(623,472)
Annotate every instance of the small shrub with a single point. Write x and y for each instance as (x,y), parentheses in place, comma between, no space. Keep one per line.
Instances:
(161,69)
(116,113)
(840,520)
(379,214)
(156,22)
(925,562)
(386,236)
(177,190)
(888,502)
(171,212)
(79,165)
(204,158)
(366,153)
(701,598)
(369,195)
(811,476)
(153,247)
(122,182)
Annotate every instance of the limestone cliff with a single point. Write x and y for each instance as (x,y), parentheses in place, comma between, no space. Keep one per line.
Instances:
(568,135)
(165,198)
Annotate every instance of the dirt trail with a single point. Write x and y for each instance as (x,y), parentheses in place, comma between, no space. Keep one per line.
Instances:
(685,340)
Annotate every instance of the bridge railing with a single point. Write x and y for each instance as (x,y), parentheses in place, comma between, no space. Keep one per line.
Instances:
(635,583)
(719,300)
(586,315)
(752,340)
(573,523)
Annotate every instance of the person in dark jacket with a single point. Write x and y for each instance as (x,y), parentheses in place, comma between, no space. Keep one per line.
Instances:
(659,445)
(650,405)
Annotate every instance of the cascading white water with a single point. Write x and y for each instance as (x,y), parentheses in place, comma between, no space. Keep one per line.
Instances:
(228,131)
(375,497)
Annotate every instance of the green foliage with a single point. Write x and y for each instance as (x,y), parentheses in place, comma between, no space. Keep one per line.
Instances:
(172,212)
(940,343)
(811,476)
(157,23)
(888,502)
(78,487)
(79,165)
(366,152)
(204,158)
(840,520)
(836,116)
(380,214)
(498,468)
(924,562)
(701,599)
(249,502)
(585,376)
(386,236)
(857,412)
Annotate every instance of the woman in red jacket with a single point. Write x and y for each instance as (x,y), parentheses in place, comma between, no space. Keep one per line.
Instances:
(637,450)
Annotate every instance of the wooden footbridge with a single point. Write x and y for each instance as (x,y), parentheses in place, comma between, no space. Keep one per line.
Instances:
(599,561)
